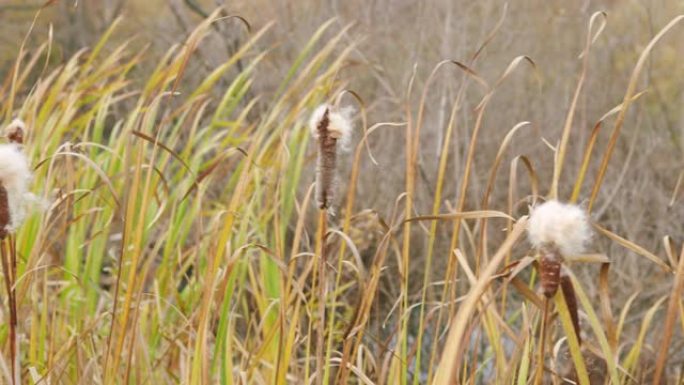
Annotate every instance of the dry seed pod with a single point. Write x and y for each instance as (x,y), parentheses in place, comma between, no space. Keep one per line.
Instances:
(327,159)
(331,128)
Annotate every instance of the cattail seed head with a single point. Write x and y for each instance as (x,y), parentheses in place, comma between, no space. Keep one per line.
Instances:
(15,176)
(330,127)
(339,123)
(564,225)
(556,230)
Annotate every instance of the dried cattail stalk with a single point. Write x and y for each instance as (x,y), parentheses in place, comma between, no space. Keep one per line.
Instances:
(329,127)
(557,230)
(14,178)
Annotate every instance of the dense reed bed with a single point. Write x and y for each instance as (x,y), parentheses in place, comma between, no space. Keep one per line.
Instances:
(181,231)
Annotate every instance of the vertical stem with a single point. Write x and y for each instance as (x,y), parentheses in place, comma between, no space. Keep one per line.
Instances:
(322,291)
(13,311)
(9,270)
(542,342)
(670,319)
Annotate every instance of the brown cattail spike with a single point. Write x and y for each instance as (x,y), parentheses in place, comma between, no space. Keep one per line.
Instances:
(4,212)
(327,159)
(571,300)
(550,269)
(331,126)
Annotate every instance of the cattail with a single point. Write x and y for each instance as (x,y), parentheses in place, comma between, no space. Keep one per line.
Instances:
(15,176)
(557,230)
(331,127)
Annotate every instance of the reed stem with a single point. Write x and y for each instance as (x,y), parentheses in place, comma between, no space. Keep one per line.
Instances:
(322,293)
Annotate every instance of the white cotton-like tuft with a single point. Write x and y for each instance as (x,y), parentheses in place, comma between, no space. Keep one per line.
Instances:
(564,225)
(316,118)
(341,125)
(15,176)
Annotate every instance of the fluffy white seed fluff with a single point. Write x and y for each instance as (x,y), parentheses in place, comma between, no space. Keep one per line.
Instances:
(316,118)
(340,126)
(564,225)
(15,175)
